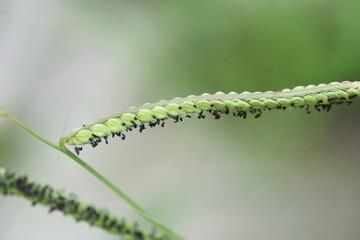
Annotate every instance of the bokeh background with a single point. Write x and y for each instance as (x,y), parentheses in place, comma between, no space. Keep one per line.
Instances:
(287,175)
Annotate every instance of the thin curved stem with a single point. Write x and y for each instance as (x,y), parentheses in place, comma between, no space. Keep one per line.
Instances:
(32,132)
(104,180)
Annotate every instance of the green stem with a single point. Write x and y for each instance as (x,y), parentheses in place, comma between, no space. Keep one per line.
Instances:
(61,147)
(26,128)
(91,170)
(134,206)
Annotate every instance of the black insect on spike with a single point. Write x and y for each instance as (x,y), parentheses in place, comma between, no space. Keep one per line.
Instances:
(113,135)
(106,221)
(242,114)
(217,114)
(138,234)
(201,115)
(98,140)
(176,119)
(93,144)
(188,116)
(60,204)
(142,128)
(120,227)
(118,134)
(257,113)
(327,107)
(307,109)
(78,150)
(73,206)
(181,119)
(134,123)
(49,193)
(91,215)
(106,140)
(317,107)
(44,191)
(157,122)
(163,124)
(123,136)
(112,224)
(20,183)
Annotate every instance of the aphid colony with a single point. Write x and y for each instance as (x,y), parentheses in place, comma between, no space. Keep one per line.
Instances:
(322,97)
(10,184)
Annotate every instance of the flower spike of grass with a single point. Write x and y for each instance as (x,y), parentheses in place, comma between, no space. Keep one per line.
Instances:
(321,97)
(69,204)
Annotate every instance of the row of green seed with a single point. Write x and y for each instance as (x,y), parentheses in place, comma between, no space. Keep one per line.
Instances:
(10,184)
(150,113)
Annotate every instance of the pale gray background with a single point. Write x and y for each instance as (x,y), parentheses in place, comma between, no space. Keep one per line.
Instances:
(287,175)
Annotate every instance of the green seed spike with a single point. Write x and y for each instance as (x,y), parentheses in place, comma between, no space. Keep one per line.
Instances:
(310,100)
(204,105)
(130,120)
(160,112)
(244,106)
(174,109)
(115,125)
(100,130)
(145,115)
(219,105)
(55,200)
(83,136)
(189,107)
(322,96)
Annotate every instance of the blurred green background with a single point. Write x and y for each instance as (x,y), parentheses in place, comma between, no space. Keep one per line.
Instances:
(287,175)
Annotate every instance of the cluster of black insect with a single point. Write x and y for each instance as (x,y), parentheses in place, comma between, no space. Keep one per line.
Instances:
(332,102)
(217,115)
(69,205)
(94,142)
